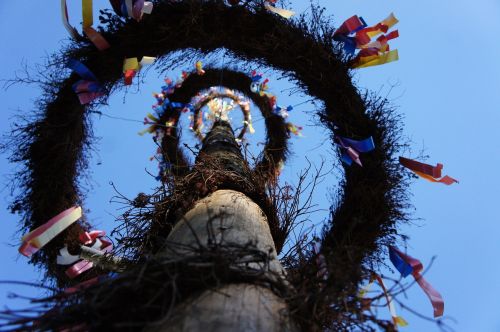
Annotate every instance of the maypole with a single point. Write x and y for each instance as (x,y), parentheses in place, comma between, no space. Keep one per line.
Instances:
(201,253)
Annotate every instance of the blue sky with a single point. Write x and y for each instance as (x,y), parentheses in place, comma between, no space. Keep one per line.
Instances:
(445,84)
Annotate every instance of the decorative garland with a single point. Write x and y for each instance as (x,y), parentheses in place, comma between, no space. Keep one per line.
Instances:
(52,149)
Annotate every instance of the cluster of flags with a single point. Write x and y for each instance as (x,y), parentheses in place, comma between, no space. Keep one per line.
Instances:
(356,35)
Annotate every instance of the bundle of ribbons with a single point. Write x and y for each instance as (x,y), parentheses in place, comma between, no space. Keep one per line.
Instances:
(296,130)
(163,104)
(88,88)
(262,88)
(132,65)
(134,9)
(281,111)
(407,265)
(41,236)
(352,148)
(366,302)
(93,240)
(426,171)
(88,20)
(355,34)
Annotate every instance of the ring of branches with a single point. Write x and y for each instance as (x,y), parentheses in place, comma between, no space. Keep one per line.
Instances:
(276,147)
(370,200)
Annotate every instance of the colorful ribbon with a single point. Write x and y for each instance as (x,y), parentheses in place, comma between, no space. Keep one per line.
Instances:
(294,129)
(375,60)
(352,148)
(372,53)
(381,44)
(97,242)
(282,111)
(199,68)
(132,65)
(36,239)
(406,265)
(397,320)
(364,36)
(65,18)
(428,172)
(88,88)
(88,20)
(349,26)
(132,8)
(285,13)
(366,302)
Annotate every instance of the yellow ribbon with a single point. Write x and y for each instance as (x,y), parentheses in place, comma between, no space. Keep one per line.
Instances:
(130,64)
(375,60)
(390,21)
(134,64)
(88,19)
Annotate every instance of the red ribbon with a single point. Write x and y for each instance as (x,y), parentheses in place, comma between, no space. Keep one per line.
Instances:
(350,25)
(433,295)
(429,172)
(129,76)
(86,238)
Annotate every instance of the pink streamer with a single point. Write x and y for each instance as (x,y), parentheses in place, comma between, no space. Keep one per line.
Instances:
(433,295)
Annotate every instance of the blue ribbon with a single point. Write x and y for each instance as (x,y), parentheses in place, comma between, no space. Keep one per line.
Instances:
(81,70)
(365,145)
(346,158)
(91,87)
(404,268)
(349,43)
(256,78)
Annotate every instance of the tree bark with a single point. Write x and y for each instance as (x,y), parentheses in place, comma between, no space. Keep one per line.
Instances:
(227,217)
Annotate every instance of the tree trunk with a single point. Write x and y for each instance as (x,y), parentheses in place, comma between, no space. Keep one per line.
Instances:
(227,217)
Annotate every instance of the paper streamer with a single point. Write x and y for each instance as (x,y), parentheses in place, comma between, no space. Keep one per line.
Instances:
(87,15)
(364,36)
(294,129)
(81,70)
(88,88)
(199,68)
(96,38)
(375,60)
(132,65)
(405,263)
(132,8)
(381,44)
(65,258)
(349,26)
(280,11)
(397,320)
(426,171)
(352,148)
(36,239)
(88,20)
(65,19)
(99,244)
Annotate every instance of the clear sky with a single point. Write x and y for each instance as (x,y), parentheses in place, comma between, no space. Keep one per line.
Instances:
(445,84)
